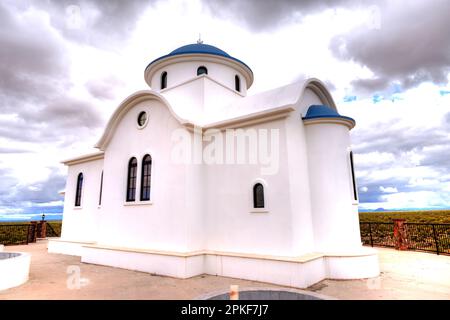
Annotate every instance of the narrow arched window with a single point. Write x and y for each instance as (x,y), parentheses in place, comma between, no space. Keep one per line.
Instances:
(258,196)
(146,176)
(237,83)
(131,180)
(202,70)
(79,190)
(101,190)
(164,80)
(355,192)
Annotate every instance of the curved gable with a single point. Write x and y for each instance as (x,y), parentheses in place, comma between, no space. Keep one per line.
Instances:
(123,109)
(319,88)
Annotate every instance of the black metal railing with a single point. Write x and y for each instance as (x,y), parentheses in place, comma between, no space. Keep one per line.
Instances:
(51,232)
(377,234)
(418,236)
(14,234)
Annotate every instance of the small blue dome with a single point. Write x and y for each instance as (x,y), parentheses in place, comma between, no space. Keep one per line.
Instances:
(199,48)
(322,111)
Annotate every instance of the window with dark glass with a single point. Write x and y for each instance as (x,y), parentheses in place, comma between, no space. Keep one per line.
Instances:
(258,196)
(146,176)
(237,83)
(101,189)
(79,190)
(202,70)
(131,180)
(142,118)
(164,80)
(355,192)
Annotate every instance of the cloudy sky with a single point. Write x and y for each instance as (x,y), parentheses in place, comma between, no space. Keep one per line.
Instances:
(66,65)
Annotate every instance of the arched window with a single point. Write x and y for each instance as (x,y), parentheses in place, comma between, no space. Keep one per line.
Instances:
(101,190)
(164,80)
(131,180)
(355,192)
(79,190)
(258,196)
(146,177)
(237,83)
(202,70)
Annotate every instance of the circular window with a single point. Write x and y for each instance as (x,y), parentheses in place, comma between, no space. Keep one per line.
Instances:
(142,118)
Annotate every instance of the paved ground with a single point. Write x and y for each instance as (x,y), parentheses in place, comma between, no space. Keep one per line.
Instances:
(405,275)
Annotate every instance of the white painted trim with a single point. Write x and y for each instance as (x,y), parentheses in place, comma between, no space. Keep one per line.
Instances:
(84,158)
(346,122)
(138,203)
(125,106)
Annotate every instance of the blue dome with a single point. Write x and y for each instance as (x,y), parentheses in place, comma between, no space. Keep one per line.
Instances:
(321,111)
(199,48)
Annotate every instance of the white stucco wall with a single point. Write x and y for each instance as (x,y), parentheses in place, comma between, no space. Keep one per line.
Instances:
(182,71)
(81,223)
(335,219)
(232,223)
(199,97)
(165,221)
(298,177)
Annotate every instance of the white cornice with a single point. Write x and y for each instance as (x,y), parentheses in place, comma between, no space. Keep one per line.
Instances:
(84,158)
(349,123)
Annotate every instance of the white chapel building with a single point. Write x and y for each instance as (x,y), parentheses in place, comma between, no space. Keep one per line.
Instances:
(196,176)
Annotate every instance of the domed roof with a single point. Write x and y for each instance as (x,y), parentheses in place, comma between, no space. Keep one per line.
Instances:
(199,48)
(322,111)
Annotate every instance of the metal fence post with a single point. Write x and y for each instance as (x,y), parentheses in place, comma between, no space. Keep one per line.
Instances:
(435,239)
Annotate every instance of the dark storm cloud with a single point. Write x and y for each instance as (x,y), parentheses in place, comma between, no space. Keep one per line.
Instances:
(34,73)
(33,60)
(34,82)
(384,137)
(15,194)
(265,15)
(374,193)
(402,43)
(102,23)
(433,145)
(103,88)
(409,45)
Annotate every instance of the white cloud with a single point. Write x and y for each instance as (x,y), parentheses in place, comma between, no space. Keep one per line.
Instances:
(363,189)
(388,189)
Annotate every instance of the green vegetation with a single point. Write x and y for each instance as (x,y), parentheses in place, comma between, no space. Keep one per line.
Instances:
(16,232)
(431,216)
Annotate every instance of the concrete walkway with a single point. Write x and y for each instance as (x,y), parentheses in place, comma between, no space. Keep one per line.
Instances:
(405,275)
